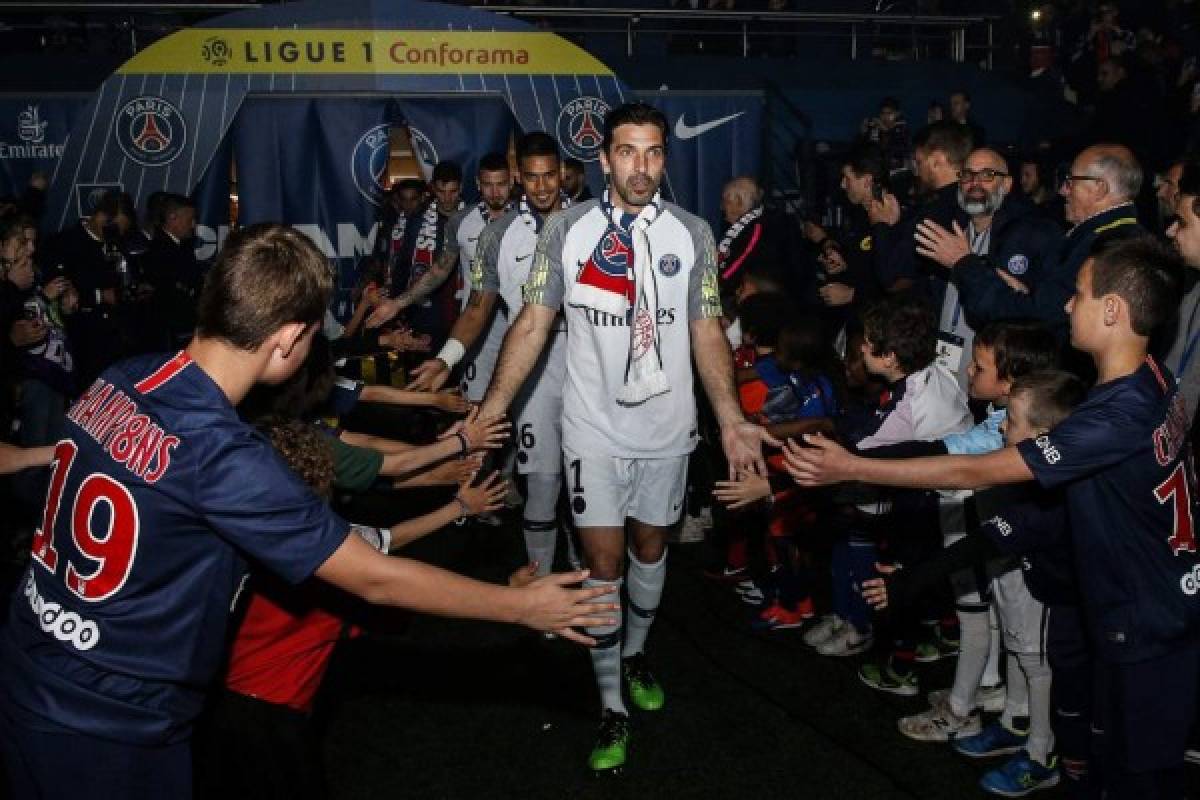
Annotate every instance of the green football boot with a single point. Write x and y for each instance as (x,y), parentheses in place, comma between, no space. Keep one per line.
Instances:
(644,690)
(612,742)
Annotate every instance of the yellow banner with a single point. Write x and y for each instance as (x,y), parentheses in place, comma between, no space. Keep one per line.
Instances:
(222,51)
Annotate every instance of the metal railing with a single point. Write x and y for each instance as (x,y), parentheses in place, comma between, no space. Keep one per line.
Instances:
(747,25)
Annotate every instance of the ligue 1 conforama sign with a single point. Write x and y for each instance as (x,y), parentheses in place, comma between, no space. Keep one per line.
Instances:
(165,117)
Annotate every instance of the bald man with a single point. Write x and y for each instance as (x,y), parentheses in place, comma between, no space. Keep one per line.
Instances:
(1099,192)
(1005,238)
(749,243)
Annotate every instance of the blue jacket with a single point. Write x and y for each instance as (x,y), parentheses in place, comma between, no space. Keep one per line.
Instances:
(1053,261)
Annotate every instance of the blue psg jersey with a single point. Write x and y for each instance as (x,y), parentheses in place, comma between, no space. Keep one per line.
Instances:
(1124,461)
(157,493)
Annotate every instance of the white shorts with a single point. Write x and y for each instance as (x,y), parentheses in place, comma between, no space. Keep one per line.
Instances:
(537,411)
(477,373)
(1021,615)
(606,490)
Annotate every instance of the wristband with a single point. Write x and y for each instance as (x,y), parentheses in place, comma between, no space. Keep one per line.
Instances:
(466,511)
(462,442)
(451,353)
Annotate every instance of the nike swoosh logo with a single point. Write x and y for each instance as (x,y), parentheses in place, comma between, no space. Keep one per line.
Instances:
(685,131)
(522,258)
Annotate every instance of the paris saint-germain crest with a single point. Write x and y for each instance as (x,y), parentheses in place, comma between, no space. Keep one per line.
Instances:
(151,131)
(368,163)
(580,127)
(669,265)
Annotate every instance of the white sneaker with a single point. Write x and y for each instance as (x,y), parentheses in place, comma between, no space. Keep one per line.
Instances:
(989,698)
(750,592)
(846,642)
(939,724)
(825,627)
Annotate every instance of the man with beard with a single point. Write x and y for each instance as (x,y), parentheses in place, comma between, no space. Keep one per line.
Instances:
(1099,194)
(1004,233)
(1184,233)
(636,280)
(1166,191)
(501,264)
(461,236)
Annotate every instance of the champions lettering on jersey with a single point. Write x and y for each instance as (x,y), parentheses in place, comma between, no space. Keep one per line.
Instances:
(120,621)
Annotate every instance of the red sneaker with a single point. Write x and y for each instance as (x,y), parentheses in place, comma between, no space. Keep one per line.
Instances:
(775,617)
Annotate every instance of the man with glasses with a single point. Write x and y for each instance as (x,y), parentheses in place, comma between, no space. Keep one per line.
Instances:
(1099,193)
(1005,235)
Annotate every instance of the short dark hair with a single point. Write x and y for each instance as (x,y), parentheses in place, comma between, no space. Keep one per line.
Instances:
(111,204)
(447,172)
(867,158)
(889,102)
(965,94)
(1189,183)
(267,275)
(904,326)
(947,137)
(764,314)
(573,164)
(536,143)
(1142,271)
(1053,395)
(767,279)
(1019,347)
(633,114)
(154,208)
(414,184)
(493,162)
(171,204)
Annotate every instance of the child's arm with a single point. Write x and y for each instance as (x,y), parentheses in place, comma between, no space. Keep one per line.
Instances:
(15,459)
(824,462)
(400,459)
(900,588)
(799,427)
(470,501)
(448,473)
(451,401)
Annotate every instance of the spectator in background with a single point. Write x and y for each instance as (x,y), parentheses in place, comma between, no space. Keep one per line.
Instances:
(936,112)
(1124,112)
(89,254)
(890,131)
(1104,39)
(1167,192)
(1034,178)
(173,272)
(403,200)
(960,112)
(1185,235)
(574,181)
(748,244)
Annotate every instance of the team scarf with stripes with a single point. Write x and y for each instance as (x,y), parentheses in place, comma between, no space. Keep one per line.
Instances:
(618,279)
(726,242)
(425,247)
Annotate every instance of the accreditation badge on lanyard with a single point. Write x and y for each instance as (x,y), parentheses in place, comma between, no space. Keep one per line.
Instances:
(950,345)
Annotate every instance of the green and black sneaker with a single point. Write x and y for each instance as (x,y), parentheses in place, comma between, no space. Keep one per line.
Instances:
(612,743)
(644,690)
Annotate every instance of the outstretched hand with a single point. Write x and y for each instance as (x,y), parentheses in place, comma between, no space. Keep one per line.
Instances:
(485,433)
(553,607)
(487,495)
(743,442)
(384,312)
(745,491)
(429,376)
(821,463)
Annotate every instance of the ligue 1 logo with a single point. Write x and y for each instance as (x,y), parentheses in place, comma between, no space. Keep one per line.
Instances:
(368,163)
(151,131)
(580,127)
(30,126)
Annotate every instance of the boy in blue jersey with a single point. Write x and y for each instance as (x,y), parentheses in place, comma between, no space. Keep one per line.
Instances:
(158,495)
(1124,462)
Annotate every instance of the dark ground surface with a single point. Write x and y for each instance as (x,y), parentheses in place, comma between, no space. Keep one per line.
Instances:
(463,710)
(452,709)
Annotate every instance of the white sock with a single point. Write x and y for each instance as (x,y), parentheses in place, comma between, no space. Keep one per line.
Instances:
(1041,732)
(540,523)
(643,589)
(606,655)
(972,656)
(991,673)
(1016,696)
